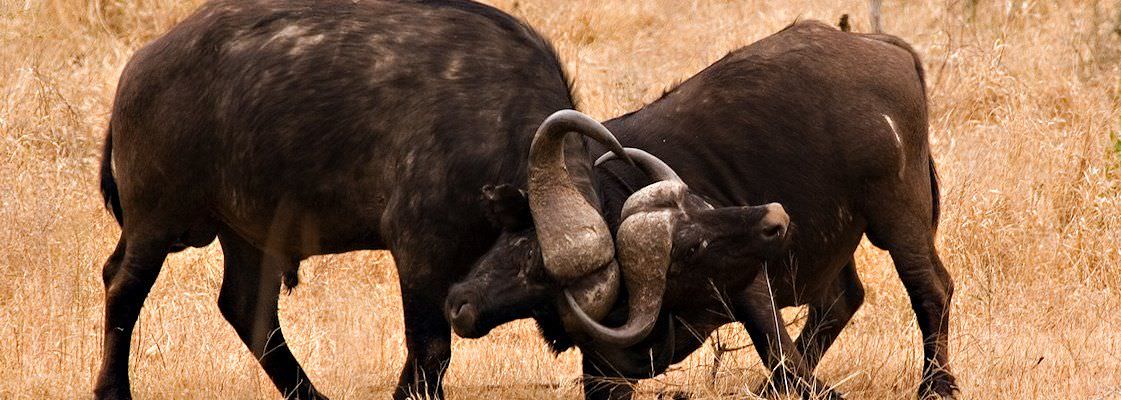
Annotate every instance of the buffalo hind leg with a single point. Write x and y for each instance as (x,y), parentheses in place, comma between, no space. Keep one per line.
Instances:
(767,329)
(829,315)
(901,223)
(930,288)
(248,301)
(129,274)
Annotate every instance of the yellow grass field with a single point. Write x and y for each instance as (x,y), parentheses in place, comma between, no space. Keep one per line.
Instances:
(1026,129)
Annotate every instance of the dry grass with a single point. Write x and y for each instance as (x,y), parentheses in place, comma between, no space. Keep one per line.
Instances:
(1025,125)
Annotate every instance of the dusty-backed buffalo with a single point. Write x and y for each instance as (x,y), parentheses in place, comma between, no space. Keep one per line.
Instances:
(288,129)
(833,126)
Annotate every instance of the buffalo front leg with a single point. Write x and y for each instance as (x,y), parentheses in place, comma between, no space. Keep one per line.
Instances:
(829,315)
(430,253)
(129,274)
(248,301)
(428,339)
(599,384)
(427,332)
(790,372)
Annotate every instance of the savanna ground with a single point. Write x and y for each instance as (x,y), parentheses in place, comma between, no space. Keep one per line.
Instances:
(1024,98)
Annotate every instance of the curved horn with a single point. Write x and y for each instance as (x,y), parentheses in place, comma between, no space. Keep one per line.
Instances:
(593,294)
(637,363)
(574,238)
(645,241)
(654,167)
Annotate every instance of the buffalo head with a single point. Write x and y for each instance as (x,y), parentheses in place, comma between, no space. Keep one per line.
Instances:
(552,228)
(544,257)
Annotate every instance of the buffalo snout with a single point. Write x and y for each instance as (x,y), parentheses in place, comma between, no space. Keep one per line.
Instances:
(462,311)
(773,226)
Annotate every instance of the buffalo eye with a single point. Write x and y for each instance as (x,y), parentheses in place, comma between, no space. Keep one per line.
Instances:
(531,254)
(697,248)
(692,250)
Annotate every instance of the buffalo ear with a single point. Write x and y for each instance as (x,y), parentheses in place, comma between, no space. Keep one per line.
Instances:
(506,207)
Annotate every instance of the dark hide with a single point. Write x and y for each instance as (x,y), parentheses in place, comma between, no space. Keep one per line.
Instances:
(831,125)
(288,129)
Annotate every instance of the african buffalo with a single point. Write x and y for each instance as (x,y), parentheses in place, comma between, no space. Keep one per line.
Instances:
(288,129)
(833,126)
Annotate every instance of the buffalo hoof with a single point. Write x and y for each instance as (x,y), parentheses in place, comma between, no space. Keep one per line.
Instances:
(310,395)
(674,395)
(954,394)
(827,394)
(940,387)
(112,392)
(776,388)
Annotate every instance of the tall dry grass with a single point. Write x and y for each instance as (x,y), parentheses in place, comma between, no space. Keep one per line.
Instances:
(1025,128)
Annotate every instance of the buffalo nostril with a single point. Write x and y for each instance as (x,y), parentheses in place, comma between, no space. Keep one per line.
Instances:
(463,309)
(462,314)
(455,307)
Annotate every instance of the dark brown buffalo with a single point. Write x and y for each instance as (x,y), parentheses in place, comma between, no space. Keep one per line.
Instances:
(833,126)
(288,129)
